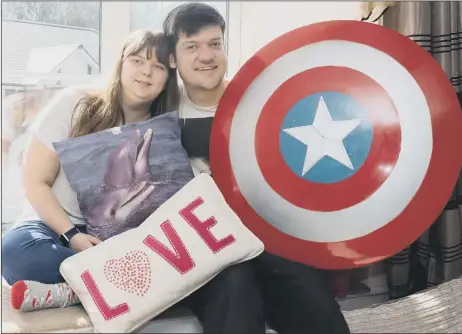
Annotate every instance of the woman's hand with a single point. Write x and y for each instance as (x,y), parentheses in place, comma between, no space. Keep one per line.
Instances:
(82,241)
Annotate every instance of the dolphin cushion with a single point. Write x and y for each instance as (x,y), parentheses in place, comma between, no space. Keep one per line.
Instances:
(122,175)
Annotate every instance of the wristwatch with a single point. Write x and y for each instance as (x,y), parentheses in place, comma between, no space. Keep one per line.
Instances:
(66,237)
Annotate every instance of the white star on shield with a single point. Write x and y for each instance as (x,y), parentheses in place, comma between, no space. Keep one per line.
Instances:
(324,138)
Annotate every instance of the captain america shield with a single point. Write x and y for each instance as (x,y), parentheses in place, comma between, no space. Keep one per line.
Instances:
(333,143)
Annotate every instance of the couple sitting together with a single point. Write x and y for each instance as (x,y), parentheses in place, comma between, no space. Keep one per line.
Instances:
(290,297)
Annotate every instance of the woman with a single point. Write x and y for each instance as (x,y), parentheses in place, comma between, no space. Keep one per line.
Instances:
(143,85)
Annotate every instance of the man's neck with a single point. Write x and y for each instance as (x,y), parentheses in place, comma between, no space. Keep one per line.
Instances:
(206,98)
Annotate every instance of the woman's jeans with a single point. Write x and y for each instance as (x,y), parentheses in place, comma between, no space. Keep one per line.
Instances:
(33,252)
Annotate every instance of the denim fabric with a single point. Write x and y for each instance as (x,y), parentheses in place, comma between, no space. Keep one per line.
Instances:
(32,251)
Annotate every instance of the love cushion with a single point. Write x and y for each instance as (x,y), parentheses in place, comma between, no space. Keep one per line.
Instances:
(122,175)
(130,278)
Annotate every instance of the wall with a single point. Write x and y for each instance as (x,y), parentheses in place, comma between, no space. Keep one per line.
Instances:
(253,24)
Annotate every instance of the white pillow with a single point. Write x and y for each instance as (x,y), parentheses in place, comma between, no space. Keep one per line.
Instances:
(132,283)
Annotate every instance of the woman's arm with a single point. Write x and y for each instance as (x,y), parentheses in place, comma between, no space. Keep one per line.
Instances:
(41,165)
(40,168)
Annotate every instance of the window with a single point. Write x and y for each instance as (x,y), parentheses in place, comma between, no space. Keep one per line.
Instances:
(41,54)
(150,14)
(89,69)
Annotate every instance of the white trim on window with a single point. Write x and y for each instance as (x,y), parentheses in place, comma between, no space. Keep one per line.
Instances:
(233,26)
(115,26)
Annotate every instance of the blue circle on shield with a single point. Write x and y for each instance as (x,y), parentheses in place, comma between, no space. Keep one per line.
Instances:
(326,137)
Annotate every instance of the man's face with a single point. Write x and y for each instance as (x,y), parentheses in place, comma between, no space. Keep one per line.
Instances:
(201,58)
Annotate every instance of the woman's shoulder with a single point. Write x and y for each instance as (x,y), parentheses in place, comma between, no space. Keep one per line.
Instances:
(60,109)
(76,92)
(67,99)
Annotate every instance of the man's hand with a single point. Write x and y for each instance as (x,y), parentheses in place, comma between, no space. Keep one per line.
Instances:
(82,241)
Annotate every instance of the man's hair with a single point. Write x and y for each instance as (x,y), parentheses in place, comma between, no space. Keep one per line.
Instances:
(189,18)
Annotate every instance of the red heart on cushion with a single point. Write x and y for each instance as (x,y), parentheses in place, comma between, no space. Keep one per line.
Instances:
(132,273)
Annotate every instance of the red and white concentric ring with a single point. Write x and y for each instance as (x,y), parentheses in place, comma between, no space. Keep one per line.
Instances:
(382,206)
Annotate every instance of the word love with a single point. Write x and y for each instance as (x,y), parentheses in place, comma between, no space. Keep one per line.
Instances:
(176,254)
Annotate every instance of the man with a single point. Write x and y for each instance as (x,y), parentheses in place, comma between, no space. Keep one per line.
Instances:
(290,297)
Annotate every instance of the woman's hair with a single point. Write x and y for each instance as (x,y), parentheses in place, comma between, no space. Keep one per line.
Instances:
(103,111)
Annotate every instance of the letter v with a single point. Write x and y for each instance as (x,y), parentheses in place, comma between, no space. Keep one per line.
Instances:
(180,258)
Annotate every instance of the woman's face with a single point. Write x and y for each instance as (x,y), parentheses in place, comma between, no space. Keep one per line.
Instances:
(142,79)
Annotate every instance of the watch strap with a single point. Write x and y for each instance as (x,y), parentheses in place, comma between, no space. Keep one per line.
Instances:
(66,237)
